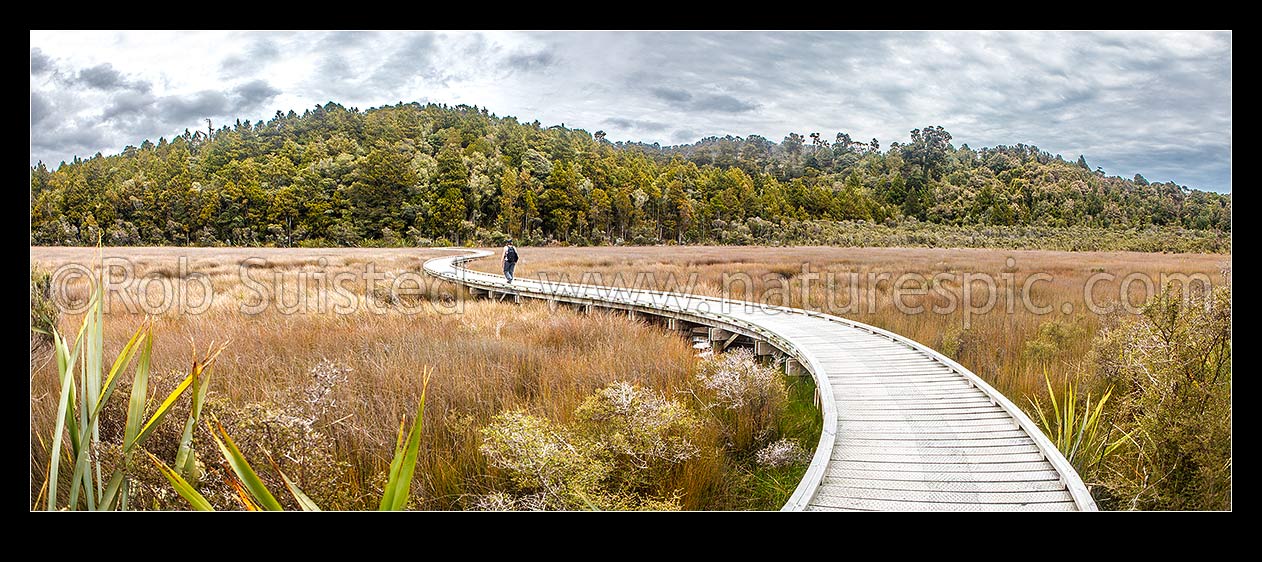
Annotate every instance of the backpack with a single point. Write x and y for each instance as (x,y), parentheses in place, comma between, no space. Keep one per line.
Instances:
(511,257)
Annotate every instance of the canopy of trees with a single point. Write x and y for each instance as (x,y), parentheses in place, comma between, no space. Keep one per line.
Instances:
(426,174)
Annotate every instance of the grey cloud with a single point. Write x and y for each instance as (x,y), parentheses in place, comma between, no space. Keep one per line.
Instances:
(684,135)
(40,108)
(1067,100)
(40,63)
(723,103)
(183,109)
(264,50)
(335,79)
(671,94)
(234,66)
(127,104)
(101,77)
(345,38)
(334,67)
(257,55)
(76,140)
(532,61)
(477,45)
(104,77)
(413,58)
(140,113)
(245,98)
(254,93)
(639,124)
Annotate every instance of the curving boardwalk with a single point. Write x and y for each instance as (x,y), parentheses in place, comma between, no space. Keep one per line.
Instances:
(905,428)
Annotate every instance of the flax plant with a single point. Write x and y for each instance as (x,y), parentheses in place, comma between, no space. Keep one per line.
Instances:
(86,388)
(1078,429)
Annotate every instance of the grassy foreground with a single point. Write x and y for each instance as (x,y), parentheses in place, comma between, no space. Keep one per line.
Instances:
(322,392)
(334,385)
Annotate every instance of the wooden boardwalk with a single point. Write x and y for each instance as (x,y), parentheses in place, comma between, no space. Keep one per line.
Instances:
(905,428)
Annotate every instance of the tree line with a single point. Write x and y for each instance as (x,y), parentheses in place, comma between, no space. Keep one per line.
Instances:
(413,174)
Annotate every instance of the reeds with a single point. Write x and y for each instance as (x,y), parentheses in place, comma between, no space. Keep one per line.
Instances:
(1004,348)
(491,358)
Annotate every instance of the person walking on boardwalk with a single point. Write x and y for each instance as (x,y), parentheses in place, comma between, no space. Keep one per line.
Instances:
(510,259)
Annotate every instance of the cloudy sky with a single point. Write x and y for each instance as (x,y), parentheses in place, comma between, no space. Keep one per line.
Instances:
(1152,103)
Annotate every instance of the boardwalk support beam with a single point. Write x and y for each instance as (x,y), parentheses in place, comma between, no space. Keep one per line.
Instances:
(793,368)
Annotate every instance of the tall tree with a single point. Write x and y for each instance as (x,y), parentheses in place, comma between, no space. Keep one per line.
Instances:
(381,184)
(453,181)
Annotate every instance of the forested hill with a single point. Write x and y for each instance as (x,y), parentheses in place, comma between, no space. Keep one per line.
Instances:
(433,174)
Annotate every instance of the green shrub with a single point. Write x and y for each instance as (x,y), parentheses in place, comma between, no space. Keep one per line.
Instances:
(44,313)
(554,467)
(642,435)
(955,341)
(1052,341)
(1172,370)
(625,442)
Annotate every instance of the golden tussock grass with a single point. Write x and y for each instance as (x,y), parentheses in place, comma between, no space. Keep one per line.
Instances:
(1010,350)
(492,357)
(498,356)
